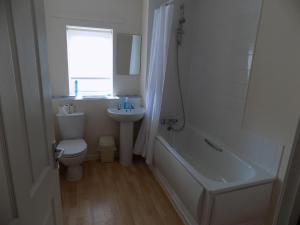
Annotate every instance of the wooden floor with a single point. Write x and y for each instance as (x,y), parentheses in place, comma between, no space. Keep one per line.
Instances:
(110,194)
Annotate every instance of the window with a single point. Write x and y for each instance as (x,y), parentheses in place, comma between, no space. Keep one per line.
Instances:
(90,61)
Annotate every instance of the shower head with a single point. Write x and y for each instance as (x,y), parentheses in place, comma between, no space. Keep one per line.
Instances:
(182,18)
(181,7)
(180,30)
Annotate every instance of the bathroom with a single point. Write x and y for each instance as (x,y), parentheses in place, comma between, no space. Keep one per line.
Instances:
(149,112)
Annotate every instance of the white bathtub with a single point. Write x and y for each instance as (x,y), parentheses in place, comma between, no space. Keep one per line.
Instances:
(210,185)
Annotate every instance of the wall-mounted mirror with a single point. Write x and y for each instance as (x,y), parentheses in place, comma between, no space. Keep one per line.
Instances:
(128,54)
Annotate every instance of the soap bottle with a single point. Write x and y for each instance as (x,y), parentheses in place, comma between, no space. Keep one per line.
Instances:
(76,88)
(126,103)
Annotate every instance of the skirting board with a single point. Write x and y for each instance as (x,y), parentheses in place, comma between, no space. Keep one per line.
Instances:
(94,156)
(181,210)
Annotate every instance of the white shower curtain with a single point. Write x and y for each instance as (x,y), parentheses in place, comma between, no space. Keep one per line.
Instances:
(161,34)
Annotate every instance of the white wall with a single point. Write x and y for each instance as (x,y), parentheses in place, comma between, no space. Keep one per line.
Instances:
(273,104)
(222,51)
(171,100)
(145,41)
(124,16)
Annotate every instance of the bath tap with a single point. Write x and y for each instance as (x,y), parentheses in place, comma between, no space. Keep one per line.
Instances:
(169,123)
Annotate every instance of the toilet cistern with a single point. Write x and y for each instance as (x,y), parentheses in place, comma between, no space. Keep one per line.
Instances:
(126,117)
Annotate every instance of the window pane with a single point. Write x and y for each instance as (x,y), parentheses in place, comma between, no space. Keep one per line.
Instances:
(90,55)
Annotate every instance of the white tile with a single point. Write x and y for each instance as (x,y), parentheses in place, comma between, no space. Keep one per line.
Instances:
(216,61)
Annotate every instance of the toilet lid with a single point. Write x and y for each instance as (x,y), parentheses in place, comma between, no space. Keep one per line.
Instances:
(72,147)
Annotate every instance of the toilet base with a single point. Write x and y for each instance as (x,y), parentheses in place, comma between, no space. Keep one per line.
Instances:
(73,173)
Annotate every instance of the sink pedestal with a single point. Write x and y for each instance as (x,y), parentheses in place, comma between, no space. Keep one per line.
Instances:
(126,143)
(126,117)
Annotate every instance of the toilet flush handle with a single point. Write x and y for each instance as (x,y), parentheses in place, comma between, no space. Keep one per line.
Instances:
(58,153)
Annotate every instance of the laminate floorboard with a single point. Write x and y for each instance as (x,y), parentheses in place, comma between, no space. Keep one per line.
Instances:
(110,194)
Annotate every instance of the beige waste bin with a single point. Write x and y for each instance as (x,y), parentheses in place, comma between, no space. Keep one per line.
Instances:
(107,148)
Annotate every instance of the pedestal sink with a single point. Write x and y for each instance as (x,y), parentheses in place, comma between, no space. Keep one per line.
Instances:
(126,117)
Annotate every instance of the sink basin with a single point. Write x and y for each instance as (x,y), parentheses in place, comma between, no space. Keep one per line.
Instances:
(126,115)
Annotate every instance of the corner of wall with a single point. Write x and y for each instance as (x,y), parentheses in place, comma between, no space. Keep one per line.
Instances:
(144,55)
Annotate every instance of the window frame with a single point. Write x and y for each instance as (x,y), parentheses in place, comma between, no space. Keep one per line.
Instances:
(91,27)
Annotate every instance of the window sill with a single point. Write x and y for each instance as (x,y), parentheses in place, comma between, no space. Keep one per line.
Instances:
(85,98)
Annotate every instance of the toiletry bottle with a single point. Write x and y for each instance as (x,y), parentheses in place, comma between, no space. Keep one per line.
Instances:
(76,88)
(71,109)
(126,103)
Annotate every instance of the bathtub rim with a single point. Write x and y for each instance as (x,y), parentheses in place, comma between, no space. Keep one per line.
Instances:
(215,187)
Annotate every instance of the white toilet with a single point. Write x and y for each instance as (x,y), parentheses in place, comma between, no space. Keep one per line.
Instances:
(71,128)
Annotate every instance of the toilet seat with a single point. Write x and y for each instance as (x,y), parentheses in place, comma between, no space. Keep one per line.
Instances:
(72,148)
